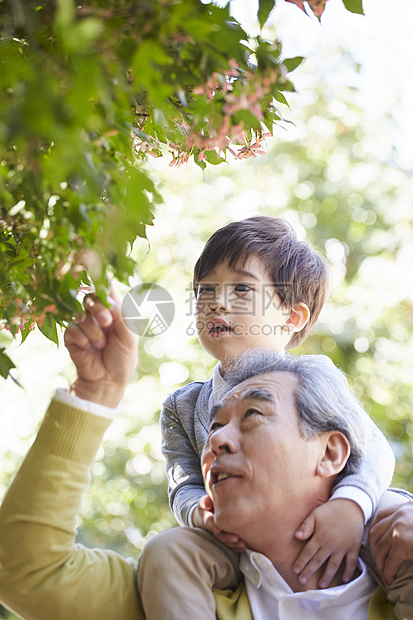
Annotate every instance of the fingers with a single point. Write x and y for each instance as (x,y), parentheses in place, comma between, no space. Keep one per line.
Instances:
(232,541)
(380,541)
(205,503)
(305,531)
(309,561)
(87,330)
(76,338)
(123,333)
(391,567)
(351,565)
(312,557)
(306,555)
(316,561)
(97,310)
(203,516)
(93,326)
(332,567)
(383,514)
(307,528)
(389,550)
(209,525)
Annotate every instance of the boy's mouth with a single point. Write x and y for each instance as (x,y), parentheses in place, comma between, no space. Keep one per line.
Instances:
(218,328)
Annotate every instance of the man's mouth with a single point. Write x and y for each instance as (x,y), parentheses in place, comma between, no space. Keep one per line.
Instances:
(220,476)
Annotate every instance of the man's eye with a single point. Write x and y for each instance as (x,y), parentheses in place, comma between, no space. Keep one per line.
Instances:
(243,288)
(205,289)
(251,412)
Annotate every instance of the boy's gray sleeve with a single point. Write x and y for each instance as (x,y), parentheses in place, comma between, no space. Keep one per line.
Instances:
(376,470)
(182,451)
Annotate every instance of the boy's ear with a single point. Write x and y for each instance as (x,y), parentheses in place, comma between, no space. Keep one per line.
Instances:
(299,316)
(334,454)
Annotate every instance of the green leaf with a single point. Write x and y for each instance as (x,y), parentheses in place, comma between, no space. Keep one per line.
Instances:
(49,329)
(5,364)
(201,163)
(292,63)
(280,97)
(25,331)
(213,158)
(355,6)
(264,9)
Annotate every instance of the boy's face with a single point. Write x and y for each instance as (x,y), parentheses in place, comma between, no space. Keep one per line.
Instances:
(239,309)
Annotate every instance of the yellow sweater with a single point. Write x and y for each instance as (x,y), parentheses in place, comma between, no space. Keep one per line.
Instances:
(44,574)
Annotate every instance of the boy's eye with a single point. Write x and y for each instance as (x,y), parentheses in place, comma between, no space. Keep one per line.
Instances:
(242,288)
(205,289)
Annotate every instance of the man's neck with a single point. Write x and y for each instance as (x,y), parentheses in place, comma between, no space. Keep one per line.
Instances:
(283,554)
(279,544)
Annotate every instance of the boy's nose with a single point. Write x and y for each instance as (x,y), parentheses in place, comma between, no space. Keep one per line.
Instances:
(219,303)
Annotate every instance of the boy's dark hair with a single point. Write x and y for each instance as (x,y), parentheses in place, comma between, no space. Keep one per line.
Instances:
(298,273)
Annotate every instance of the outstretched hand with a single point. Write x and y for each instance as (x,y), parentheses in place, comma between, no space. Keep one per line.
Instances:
(103,350)
(203,516)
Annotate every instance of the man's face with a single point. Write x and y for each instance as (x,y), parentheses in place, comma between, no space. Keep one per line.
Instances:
(239,309)
(256,464)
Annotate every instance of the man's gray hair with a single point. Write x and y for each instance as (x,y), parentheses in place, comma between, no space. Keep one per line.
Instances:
(323,398)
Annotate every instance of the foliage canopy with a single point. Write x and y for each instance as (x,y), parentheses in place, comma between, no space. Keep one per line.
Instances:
(87,92)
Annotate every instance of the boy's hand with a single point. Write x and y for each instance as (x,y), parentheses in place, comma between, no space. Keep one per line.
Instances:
(391,539)
(335,530)
(203,516)
(104,352)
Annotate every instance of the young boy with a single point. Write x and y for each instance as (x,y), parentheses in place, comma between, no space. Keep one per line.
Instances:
(256,286)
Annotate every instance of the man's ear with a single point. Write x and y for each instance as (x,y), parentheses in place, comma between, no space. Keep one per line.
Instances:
(335,454)
(298,318)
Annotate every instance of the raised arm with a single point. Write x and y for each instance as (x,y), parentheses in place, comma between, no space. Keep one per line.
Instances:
(43,573)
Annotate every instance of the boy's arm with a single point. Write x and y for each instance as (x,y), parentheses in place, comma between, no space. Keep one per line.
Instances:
(374,476)
(352,503)
(183,464)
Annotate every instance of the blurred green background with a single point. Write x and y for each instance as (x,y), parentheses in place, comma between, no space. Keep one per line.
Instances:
(337,176)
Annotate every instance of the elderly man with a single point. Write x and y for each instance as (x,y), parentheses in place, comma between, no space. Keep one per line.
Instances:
(272,455)
(278,442)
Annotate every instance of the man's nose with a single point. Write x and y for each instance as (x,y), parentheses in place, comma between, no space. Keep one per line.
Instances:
(225,439)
